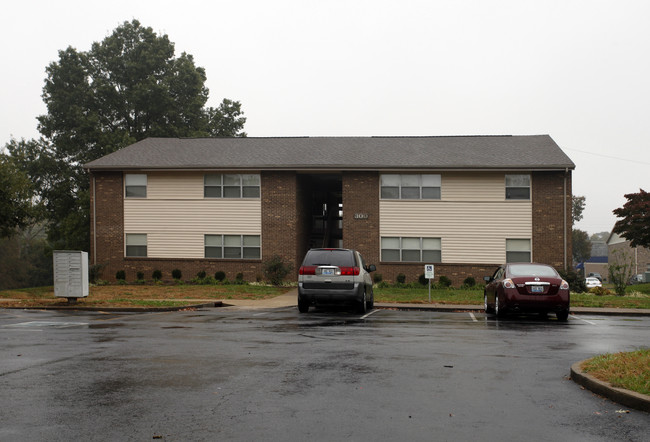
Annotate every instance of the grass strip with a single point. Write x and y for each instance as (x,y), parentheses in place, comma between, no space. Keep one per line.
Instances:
(628,370)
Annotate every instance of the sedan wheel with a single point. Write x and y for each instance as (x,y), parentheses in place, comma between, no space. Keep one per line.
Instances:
(563,315)
(497,311)
(486,309)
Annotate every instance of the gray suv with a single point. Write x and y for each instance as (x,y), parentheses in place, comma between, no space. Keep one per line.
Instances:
(335,276)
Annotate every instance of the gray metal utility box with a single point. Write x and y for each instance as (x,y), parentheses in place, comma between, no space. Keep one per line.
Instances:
(70,274)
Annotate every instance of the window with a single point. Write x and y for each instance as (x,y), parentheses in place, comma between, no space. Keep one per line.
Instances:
(411,186)
(136,244)
(218,185)
(135,185)
(518,250)
(411,249)
(232,246)
(517,187)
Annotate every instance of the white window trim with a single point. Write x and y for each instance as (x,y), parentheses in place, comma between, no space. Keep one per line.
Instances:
(401,248)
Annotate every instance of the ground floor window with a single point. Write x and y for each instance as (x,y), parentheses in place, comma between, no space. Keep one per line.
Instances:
(136,244)
(518,250)
(399,249)
(233,246)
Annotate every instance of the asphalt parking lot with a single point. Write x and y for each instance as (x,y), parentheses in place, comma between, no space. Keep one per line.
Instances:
(274,374)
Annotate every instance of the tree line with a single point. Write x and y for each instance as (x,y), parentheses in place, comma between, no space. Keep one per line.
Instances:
(126,88)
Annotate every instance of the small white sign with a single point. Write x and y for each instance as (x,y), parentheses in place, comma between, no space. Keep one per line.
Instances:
(429,271)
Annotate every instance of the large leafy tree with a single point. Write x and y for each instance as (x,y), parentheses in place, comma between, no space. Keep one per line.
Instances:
(634,224)
(126,88)
(16,210)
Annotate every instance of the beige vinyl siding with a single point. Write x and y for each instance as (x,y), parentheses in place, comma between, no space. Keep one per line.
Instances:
(473,187)
(470,232)
(176,228)
(179,186)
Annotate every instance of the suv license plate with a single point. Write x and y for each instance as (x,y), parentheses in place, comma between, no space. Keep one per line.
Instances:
(537,289)
(327,272)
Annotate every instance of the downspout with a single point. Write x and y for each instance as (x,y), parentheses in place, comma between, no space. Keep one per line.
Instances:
(94,221)
(566,171)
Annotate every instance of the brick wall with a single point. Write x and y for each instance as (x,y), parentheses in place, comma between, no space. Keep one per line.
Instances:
(361,213)
(282,223)
(549,205)
(107,222)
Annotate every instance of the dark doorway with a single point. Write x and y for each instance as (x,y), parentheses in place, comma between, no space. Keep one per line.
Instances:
(326,208)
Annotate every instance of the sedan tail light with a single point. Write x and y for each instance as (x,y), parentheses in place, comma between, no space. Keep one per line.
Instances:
(507,283)
(307,270)
(564,285)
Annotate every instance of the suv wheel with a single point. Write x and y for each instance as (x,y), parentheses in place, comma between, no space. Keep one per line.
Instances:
(303,306)
(362,307)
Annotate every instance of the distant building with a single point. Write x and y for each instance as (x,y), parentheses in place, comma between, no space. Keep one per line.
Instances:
(619,248)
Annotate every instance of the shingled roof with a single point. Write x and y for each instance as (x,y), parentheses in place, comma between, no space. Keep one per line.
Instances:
(534,152)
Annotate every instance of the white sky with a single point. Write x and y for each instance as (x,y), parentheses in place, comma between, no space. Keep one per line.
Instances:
(578,70)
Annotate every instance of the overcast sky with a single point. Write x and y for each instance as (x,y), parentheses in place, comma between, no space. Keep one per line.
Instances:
(576,70)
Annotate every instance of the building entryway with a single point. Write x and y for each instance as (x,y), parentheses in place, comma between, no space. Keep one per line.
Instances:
(324,196)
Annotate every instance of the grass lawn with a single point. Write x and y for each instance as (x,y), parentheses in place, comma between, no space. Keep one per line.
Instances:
(152,295)
(623,370)
(157,295)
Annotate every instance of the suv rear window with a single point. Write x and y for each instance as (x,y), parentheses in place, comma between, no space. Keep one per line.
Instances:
(340,258)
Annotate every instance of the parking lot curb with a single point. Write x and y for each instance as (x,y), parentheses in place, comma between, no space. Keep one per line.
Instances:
(622,396)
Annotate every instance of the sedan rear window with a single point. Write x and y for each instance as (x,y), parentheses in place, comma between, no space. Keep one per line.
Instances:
(340,258)
(531,270)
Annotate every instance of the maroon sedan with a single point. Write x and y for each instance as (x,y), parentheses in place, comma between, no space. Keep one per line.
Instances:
(526,288)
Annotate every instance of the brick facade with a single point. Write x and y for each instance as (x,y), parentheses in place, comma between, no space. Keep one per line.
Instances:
(551,206)
(286,216)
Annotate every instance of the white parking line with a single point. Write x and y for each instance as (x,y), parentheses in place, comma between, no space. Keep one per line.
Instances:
(370,313)
(473,317)
(588,322)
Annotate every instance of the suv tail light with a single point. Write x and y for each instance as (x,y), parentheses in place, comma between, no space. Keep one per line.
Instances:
(350,271)
(307,270)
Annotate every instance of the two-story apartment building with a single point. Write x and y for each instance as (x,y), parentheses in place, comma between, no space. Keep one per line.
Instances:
(464,204)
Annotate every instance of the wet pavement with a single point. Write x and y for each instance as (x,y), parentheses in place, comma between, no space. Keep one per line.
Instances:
(239,373)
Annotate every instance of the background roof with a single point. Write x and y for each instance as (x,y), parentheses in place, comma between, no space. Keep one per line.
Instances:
(536,152)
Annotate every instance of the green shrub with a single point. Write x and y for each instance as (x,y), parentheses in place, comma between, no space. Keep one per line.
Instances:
(156,275)
(201,274)
(95,272)
(120,275)
(177,274)
(443,281)
(575,280)
(276,270)
(140,276)
(220,275)
(239,278)
(469,281)
(422,280)
(401,278)
(377,278)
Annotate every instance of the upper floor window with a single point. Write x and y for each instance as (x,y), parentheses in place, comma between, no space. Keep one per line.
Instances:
(518,250)
(517,187)
(217,185)
(135,185)
(136,244)
(410,186)
(411,249)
